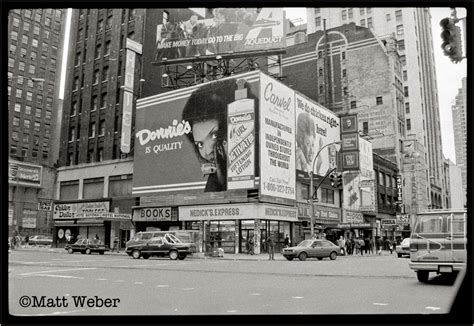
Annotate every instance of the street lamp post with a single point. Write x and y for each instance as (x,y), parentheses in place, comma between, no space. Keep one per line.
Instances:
(311,201)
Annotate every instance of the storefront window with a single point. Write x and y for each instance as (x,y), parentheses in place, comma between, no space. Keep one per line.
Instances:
(221,234)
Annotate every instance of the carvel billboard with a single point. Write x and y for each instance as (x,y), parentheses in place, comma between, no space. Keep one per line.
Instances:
(315,128)
(221,30)
(182,139)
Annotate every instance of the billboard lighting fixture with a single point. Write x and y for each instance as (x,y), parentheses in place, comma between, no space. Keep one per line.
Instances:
(164,75)
(189,67)
(219,57)
(164,59)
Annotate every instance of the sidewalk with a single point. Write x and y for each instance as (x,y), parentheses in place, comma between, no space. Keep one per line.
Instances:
(227,256)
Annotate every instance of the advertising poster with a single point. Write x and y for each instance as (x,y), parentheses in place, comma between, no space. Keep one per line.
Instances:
(181,138)
(277,140)
(24,174)
(241,141)
(79,210)
(28,220)
(315,127)
(359,186)
(220,30)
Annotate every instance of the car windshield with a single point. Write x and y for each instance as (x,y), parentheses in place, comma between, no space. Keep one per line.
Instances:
(170,238)
(305,243)
(405,242)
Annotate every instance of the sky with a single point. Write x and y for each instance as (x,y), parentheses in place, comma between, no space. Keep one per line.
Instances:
(449,75)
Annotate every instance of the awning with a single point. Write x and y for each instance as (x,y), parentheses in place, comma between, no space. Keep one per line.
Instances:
(126,225)
(63,223)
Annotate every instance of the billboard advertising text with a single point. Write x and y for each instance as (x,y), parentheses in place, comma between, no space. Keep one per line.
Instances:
(277,140)
(182,140)
(315,128)
(221,30)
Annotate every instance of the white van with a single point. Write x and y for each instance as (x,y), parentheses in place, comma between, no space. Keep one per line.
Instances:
(438,242)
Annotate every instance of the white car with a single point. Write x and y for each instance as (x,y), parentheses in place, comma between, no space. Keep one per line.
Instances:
(403,248)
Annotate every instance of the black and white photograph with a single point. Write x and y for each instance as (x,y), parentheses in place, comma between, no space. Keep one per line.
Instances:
(240,164)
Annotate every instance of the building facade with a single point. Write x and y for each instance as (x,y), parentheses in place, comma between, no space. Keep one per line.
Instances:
(456,194)
(459,113)
(35,46)
(412,29)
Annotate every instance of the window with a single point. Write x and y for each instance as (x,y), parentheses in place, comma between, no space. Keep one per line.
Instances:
(72,134)
(27,109)
(11,62)
(105,74)
(16,22)
(388,17)
(320,71)
(96,76)
(95,103)
(403,60)
(32,69)
(14,35)
(408,124)
(102,128)
(344,14)
(362,22)
(24,152)
(405,91)
(17,107)
(36,30)
(26,138)
(45,155)
(401,45)
(103,100)
(16,121)
(343,55)
(15,135)
(398,15)
(327,196)
(13,149)
(353,104)
(28,13)
(344,73)
(317,10)
(381,178)
(19,93)
(100,155)
(26,26)
(365,127)
(39,99)
(362,11)
(407,107)
(400,30)
(12,48)
(345,91)
(100,25)
(321,89)
(92,130)
(45,47)
(37,126)
(47,115)
(405,75)
(108,24)
(38,112)
(318,21)
(26,124)
(33,55)
(47,21)
(133,13)
(24,39)
(90,156)
(378,100)
(107,48)
(97,51)
(369,10)
(369,22)
(74,108)
(46,35)
(38,17)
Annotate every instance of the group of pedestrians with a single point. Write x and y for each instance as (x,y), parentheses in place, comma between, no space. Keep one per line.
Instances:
(359,246)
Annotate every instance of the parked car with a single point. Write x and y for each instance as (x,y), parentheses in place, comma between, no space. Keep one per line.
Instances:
(161,246)
(86,246)
(403,249)
(177,236)
(40,240)
(317,248)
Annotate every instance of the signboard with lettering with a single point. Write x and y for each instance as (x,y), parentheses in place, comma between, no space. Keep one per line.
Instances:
(78,210)
(350,161)
(349,124)
(350,141)
(353,217)
(153,214)
(388,221)
(24,174)
(29,219)
(45,205)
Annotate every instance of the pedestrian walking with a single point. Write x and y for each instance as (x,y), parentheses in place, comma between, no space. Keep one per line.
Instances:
(390,245)
(366,245)
(379,245)
(362,245)
(27,241)
(349,246)
(357,245)
(342,245)
(270,247)
(250,245)
(372,245)
(116,245)
(287,241)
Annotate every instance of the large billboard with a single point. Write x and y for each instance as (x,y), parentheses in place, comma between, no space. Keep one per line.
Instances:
(219,31)
(316,127)
(277,140)
(359,186)
(24,174)
(182,141)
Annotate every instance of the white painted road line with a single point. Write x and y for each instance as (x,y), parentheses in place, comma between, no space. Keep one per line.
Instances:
(60,276)
(433,308)
(59,270)
(51,314)
(187,289)
(297,297)
(255,294)
(138,283)
(101,279)
(162,286)
(380,304)
(231,310)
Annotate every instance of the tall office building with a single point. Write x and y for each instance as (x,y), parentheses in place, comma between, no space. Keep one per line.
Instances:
(460,131)
(34,59)
(412,29)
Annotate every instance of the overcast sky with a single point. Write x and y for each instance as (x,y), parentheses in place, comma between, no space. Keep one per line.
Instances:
(449,75)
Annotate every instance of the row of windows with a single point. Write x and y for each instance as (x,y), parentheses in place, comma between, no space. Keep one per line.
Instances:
(92,131)
(34,42)
(38,111)
(24,152)
(28,13)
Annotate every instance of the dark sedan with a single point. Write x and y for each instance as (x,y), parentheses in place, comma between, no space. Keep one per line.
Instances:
(315,248)
(86,246)
(159,246)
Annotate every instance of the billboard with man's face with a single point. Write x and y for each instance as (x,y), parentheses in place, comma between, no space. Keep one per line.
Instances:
(218,31)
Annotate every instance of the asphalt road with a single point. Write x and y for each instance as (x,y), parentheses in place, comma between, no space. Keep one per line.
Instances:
(47,283)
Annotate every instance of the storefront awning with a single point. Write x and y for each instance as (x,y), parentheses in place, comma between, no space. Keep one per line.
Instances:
(63,223)
(126,225)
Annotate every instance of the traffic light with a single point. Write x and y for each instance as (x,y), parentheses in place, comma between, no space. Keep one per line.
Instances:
(332,178)
(339,180)
(451,38)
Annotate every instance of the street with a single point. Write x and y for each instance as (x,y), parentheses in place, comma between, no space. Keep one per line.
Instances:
(47,282)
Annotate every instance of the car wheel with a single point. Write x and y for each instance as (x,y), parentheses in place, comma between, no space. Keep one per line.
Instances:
(320,258)
(289,258)
(422,276)
(302,256)
(136,254)
(145,256)
(173,255)
(101,252)
(181,256)
(333,255)
(88,251)
(399,255)
(70,251)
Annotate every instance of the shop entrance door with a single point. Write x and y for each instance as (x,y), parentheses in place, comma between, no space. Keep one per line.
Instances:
(263,240)
(246,235)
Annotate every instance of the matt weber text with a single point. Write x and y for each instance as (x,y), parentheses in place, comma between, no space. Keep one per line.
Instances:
(78,301)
